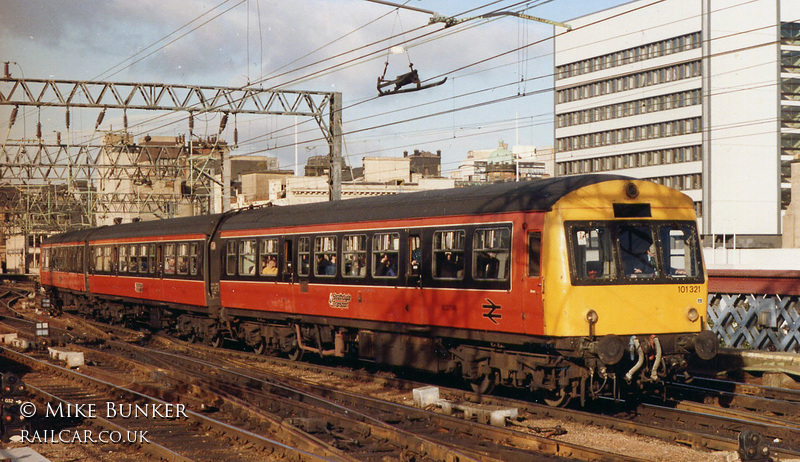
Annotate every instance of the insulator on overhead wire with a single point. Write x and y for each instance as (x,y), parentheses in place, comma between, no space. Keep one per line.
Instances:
(67,118)
(58,138)
(125,121)
(100,118)
(191,121)
(13,117)
(38,130)
(235,136)
(223,122)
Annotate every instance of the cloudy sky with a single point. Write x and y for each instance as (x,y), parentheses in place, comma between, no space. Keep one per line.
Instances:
(492,93)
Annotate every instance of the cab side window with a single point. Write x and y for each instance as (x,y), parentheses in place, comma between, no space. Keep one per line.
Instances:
(535,254)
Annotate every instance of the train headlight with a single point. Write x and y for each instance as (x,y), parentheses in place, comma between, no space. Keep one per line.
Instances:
(591,316)
(692,314)
(631,190)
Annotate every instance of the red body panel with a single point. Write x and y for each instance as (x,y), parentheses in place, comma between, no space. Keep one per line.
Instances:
(183,291)
(63,280)
(518,310)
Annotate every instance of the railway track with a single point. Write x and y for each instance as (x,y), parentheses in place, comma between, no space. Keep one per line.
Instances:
(351,425)
(356,425)
(243,379)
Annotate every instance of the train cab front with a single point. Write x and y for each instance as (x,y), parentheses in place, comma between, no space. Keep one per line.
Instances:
(634,293)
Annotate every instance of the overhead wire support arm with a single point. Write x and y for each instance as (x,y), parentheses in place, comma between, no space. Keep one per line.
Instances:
(450,21)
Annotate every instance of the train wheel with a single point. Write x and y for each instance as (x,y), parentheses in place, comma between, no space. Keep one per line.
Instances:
(485,384)
(556,398)
(296,354)
(261,348)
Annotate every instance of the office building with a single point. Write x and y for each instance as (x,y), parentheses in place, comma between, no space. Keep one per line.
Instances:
(702,96)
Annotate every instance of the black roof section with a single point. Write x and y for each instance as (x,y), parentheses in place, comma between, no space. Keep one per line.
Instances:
(473,200)
(203,224)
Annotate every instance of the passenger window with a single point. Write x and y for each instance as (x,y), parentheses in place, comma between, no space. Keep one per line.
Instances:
(98,258)
(304,256)
(534,254)
(123,259)
(194,258)
(230,258)
(385,252)
(169,259)
(143,263)
(268,257)
(133,260)
(448,254)
(490,252)
(325,256)
(354,256)
(151,257)
(247,257)
(594,253)
(183,258)
(107,258)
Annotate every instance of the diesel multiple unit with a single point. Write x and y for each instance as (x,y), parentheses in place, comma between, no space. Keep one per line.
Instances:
(571,287)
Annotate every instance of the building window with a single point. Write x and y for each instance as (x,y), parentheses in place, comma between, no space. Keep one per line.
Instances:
(640,80)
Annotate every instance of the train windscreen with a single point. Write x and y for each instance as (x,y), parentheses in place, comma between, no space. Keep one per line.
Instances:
(628,252)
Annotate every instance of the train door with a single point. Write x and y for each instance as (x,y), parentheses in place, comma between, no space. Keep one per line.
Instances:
(287,269)
(532,285)
(413,262)
(88,262)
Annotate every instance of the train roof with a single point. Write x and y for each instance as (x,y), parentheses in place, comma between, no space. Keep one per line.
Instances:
(473,200)
(487,199)
(203,224)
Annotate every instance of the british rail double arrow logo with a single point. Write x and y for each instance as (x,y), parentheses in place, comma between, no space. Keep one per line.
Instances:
(491,313)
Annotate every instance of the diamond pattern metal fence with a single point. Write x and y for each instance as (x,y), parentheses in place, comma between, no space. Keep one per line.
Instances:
(755,321)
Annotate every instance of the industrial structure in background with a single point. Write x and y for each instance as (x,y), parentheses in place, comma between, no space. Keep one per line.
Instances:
(49,186)
(705,99)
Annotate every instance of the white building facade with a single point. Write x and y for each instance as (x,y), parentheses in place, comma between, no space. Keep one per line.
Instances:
(702,96)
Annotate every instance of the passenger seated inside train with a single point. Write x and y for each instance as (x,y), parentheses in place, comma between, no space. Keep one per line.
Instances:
(449,266)
(269,266)
(386,267)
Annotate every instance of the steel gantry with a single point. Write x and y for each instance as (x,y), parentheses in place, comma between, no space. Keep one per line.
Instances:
(84,175)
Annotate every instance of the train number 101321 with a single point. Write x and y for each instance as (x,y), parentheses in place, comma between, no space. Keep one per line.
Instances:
(688,289)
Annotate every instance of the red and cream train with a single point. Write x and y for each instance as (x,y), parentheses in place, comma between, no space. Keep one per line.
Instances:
(572,287)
